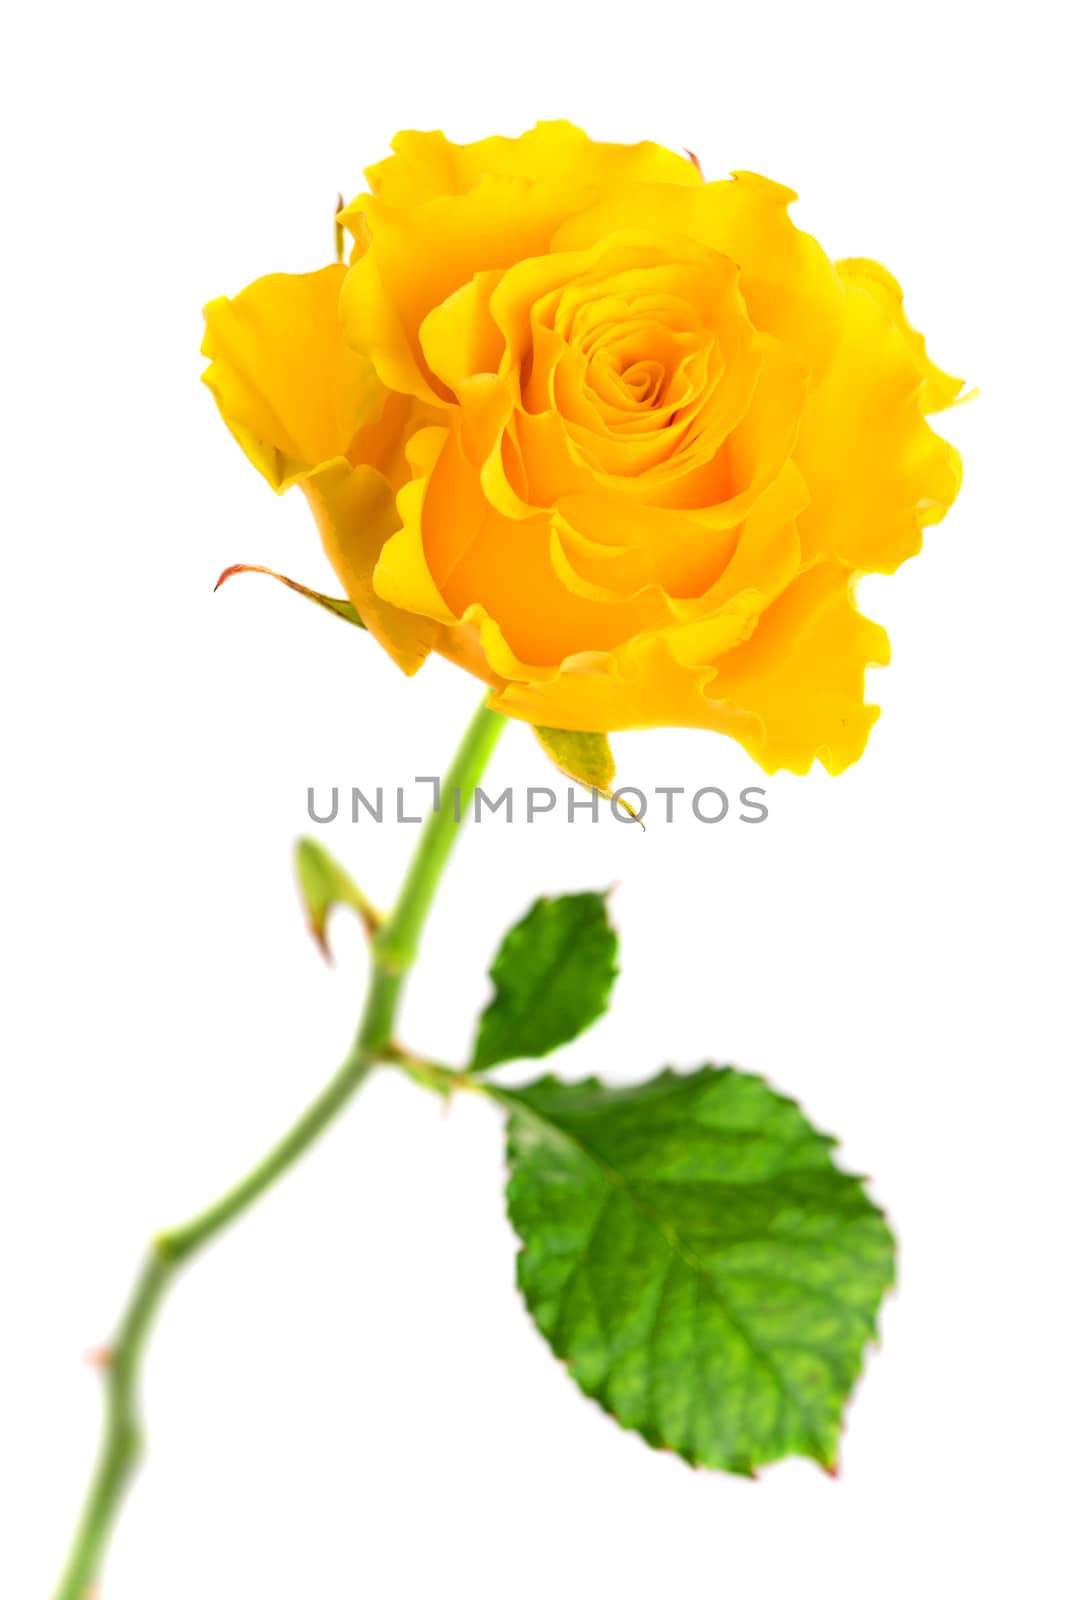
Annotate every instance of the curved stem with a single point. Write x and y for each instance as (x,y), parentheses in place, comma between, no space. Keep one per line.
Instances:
(394,948)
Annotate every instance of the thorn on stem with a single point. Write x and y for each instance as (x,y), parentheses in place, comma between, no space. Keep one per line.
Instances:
(100,1357)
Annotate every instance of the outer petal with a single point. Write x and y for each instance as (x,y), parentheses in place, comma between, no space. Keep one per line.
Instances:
(938,390)
(427,164)
(404,576)
(791,692)
(289,389)
(356,513)
(802,675)
(440,213)
(877,472)
(415,259)
(642,685)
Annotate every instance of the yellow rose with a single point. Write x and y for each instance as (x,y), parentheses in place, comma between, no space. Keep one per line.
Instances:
(616,440)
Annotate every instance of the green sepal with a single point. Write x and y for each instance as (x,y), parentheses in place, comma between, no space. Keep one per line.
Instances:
(586,758)
(691,1251)
(339,608)
(553,975)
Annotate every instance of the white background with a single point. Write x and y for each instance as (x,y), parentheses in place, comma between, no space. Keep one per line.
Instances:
(345,1399)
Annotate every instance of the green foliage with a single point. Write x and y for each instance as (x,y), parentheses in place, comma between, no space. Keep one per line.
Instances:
(553,974)
(692,1253)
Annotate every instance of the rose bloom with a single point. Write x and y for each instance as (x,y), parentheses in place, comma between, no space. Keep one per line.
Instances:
(616,440)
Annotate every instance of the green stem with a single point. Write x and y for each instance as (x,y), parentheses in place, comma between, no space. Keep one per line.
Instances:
(394,949)
(396,944)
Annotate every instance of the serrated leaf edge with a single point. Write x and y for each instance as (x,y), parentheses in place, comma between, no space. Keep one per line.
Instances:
(476,1065)
(747,1468)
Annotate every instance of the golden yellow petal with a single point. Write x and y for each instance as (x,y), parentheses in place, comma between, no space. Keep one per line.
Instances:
(790,688)
(876,471)
(639,685)
(425,165)
(403,576)
(789,284)
(701,566)
(456,558)
(356,513)
(459,337)
(938,390)
(289,389)
(614,548)
(417,258)
(802,675)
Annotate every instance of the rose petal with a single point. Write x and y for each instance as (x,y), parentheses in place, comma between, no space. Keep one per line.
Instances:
(876,471)
(289,389)
(426,165)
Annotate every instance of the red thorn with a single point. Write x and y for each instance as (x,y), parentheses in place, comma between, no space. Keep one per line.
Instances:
(100,1357)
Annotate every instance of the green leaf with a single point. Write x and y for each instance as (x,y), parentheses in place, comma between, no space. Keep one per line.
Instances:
(340,608)
(323,884)
(692,1253)
(553,975)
